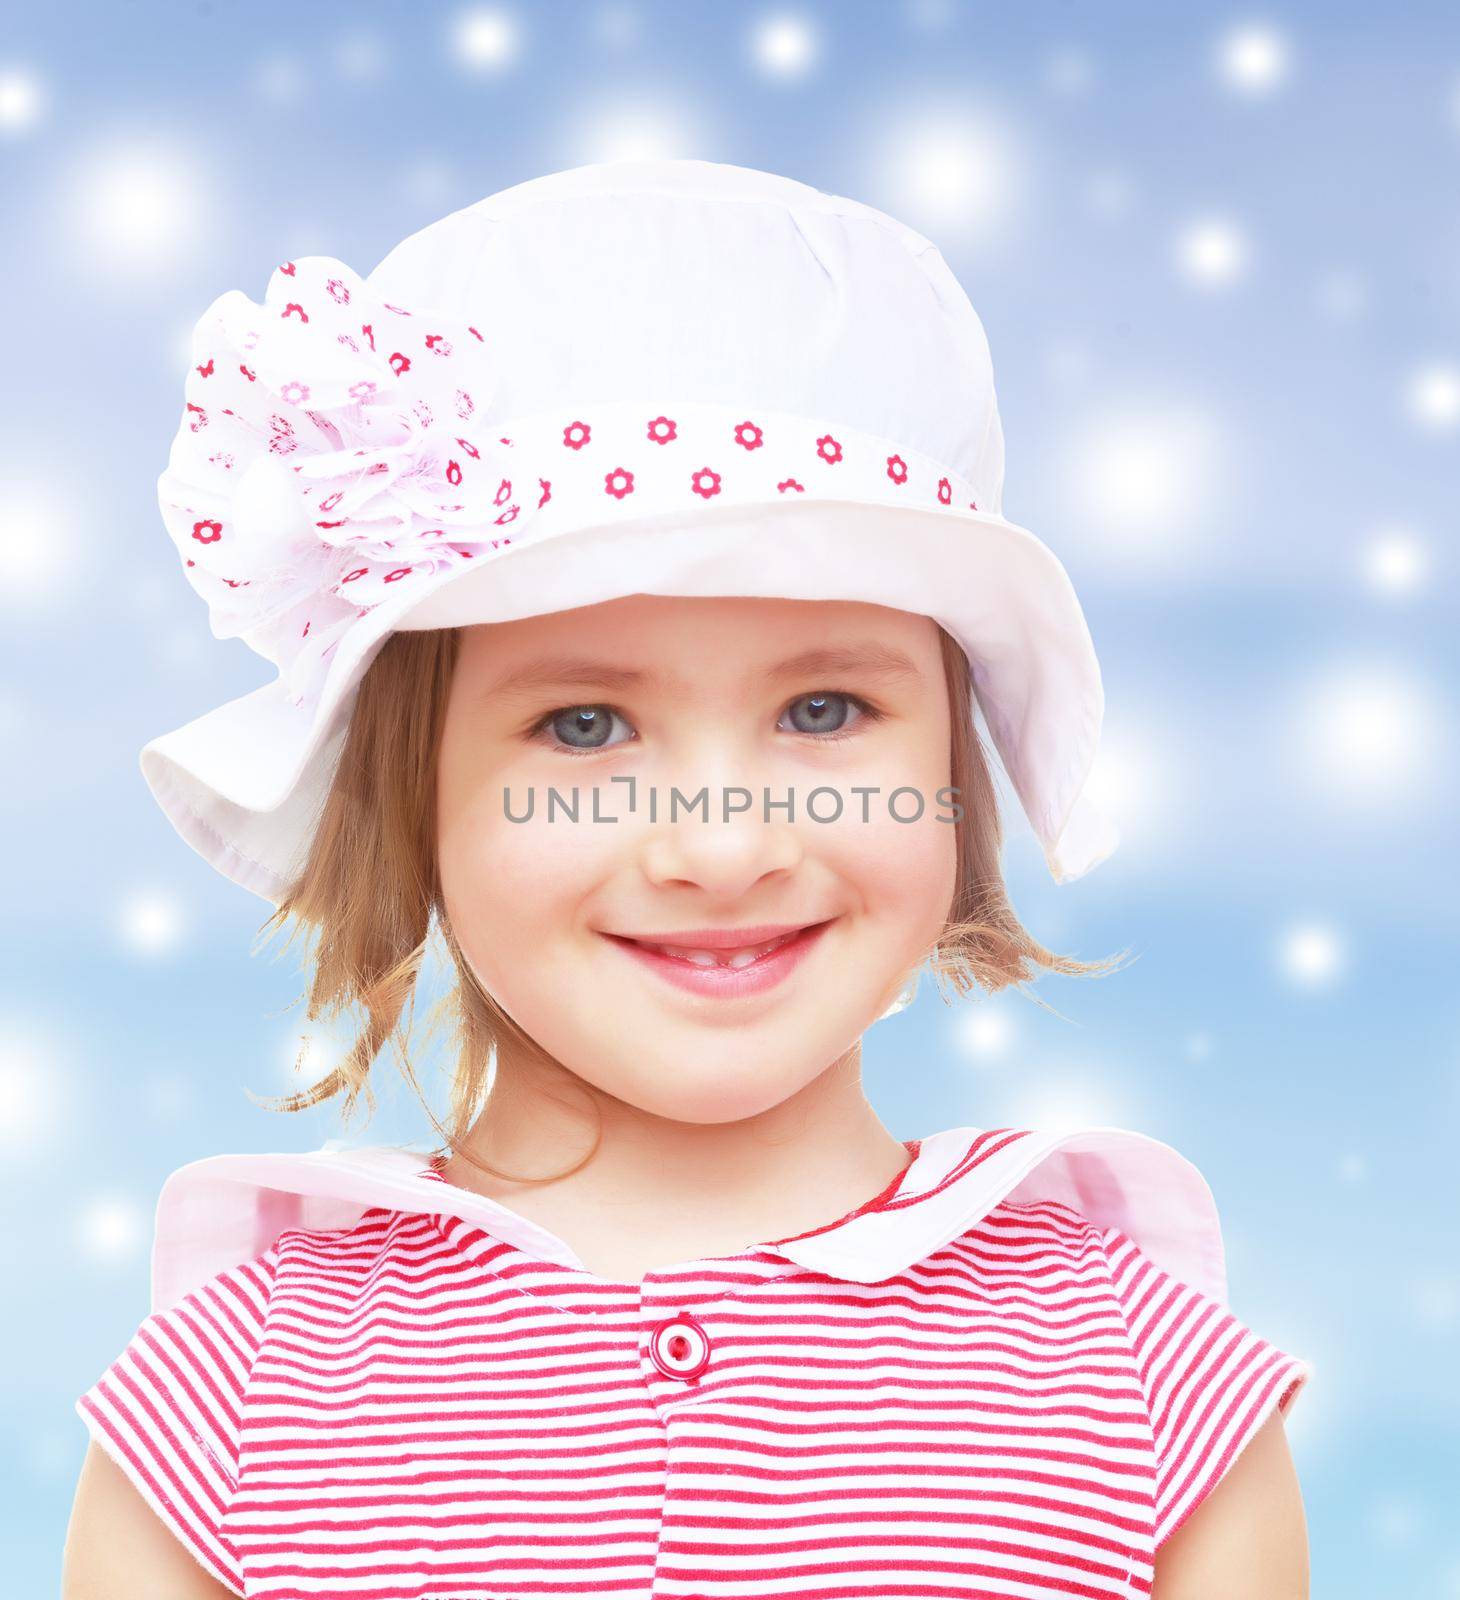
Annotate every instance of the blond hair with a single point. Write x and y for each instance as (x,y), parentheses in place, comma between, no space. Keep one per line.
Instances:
(370,889)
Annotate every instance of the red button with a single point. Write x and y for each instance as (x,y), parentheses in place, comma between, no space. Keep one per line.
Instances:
(680,1347)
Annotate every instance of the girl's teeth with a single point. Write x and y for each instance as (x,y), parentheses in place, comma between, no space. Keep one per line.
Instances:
(721,958)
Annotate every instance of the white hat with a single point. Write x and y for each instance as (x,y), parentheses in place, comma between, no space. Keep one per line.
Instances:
(665,377)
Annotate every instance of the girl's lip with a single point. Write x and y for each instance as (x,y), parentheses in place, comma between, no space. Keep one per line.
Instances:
(717,938)
(728,983)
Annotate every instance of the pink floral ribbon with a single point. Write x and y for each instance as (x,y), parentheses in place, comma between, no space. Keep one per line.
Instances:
(330,448)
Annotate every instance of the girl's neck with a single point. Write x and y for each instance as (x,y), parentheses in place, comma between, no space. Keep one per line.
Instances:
(655,1191)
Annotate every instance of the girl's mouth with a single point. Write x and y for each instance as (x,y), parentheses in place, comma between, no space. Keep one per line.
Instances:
(726,973)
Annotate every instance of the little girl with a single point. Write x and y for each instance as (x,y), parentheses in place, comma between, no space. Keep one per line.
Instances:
(630,550)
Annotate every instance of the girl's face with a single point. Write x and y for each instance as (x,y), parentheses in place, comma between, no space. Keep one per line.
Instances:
(628,701)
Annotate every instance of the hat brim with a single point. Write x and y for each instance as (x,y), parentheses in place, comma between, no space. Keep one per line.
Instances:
(243,784)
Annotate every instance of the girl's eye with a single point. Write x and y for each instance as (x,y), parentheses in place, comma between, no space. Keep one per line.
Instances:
(826,714)
(582,729)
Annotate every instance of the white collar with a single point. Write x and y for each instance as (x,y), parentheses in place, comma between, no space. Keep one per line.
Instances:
(222,1210)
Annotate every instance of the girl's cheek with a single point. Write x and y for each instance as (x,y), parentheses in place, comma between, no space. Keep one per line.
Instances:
(521,870)
(892,838)
(899,864)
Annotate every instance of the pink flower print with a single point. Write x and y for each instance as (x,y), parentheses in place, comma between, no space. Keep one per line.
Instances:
(945,492)
(473,331)
(576,435)
(619,482)
(400,311)
(897,469)
(663,429)
(547,492)
(748,436)
(972,506)
(705,483)
(287,268)
(829,449)
(366,474)
(790,483)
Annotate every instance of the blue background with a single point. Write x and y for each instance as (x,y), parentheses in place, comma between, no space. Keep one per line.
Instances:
(1244,451)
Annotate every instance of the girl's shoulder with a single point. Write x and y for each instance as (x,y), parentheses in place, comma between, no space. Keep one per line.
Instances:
(234,1236)
(229,1209)
(1207,1379)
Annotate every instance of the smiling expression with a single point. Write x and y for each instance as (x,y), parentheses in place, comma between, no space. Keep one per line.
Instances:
(787,936)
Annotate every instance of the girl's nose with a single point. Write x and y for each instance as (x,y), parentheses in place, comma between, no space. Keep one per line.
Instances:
(725,857)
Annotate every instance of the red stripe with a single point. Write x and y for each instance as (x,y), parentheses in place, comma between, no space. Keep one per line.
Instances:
(159,1476)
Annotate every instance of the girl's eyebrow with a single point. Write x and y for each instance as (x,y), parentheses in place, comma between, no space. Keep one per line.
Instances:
(866,660)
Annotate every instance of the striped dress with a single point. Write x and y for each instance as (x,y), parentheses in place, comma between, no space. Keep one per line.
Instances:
(976,1384)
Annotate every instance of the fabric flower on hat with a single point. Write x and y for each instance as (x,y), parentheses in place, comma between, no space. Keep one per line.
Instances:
(331,454)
